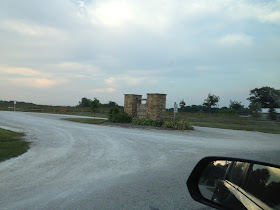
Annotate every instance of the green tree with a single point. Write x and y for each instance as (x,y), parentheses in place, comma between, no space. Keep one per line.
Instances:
(85,102)
(235,105)
(112,113)
(211,101)
(227,111)
(266,96)
(255,109)
(95,104)
(272,114)
(112,104)
(182,105)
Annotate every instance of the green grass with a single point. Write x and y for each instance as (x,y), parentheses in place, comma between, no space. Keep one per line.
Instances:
(89,114)
(231,122)
(213,121)
(86,120)
(81,111)
(11,144)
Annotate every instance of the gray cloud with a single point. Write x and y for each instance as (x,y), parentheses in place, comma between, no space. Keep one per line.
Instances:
(193,43)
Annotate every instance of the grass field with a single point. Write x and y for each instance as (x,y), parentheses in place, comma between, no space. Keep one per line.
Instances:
(197,119)
(86,120)
(11,144)
(89,114)
(74,110)
(231,122)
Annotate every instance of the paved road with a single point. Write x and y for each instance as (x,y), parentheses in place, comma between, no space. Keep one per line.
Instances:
(80,166)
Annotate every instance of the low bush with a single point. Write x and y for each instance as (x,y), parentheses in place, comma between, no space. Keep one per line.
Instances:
(112,113)
(121,118)
(146,122)
(177,125)
(116,116)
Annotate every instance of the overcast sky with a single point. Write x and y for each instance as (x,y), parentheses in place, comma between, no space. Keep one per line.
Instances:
(57,51)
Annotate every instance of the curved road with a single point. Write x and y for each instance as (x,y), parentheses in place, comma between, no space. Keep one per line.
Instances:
(80,166)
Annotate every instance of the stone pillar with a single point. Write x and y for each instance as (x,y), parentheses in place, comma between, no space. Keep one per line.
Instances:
(155,107)
(130,104)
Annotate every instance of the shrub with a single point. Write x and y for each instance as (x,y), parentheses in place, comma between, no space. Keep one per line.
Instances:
(177,125)
(116,116)
(122,118)
(146,122)
(112,113)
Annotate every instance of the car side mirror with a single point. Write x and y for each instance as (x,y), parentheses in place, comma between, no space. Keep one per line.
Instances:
(232,183)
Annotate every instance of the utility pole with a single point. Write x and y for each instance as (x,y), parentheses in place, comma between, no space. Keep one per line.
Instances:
(175,110)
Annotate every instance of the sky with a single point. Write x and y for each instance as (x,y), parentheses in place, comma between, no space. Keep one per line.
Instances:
(55,52)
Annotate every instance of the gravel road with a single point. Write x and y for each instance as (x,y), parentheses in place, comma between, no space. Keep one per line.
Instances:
(80,166)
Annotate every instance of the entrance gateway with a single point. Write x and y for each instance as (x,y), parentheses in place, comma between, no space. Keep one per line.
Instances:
(154,107)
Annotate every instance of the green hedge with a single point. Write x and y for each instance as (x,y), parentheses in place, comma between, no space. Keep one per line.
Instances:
(116,116)
(146,122)
(176,125)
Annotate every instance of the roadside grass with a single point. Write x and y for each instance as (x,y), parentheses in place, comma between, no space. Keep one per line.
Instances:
(81,111)
(11,144)
(88,114)
(86,120)
(231,122)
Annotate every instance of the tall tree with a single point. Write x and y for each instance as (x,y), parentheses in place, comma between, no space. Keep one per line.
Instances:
(85,102)
(182,105)
(255,109)
(95,104)
(235,105)
(211,101)
(112,104)
(266,96)
(272,114)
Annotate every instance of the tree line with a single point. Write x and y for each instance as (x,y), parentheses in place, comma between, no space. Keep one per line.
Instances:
(265,97)
(95,104)
(12,103)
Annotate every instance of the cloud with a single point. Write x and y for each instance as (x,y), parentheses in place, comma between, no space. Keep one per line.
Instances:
(21,71)
(35,82)
(154,15)
(30,29)
(159,16)
(113,13)
(236,40)
(134,46)
(77,66)
(110,81)
(102,90)
(76,70)
(203,68)
(129,80)
(27,77)
(268,11)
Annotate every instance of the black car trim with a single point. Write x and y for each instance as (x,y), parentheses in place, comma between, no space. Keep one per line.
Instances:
(233,188)
(192,182)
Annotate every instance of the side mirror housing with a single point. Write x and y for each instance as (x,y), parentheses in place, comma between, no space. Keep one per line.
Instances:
(233,183)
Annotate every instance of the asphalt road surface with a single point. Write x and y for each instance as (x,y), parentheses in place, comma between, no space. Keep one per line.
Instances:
(80,166)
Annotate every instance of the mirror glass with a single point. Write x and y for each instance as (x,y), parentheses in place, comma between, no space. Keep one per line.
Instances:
(241,185)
